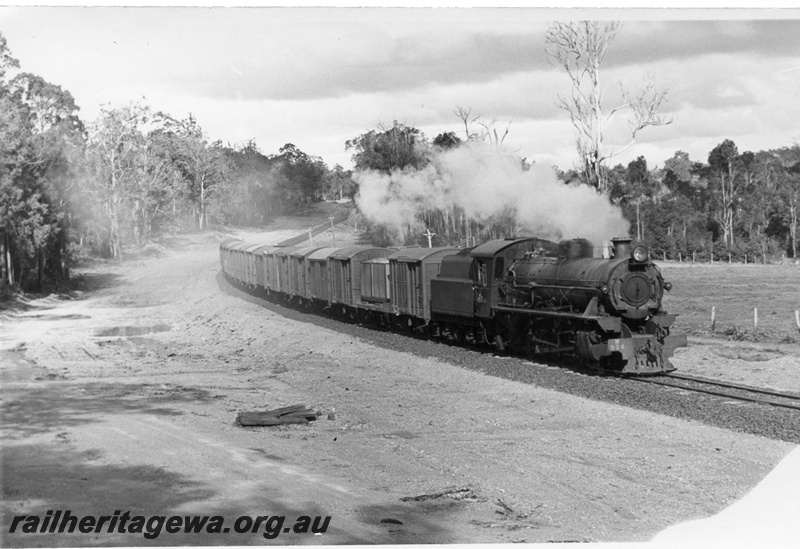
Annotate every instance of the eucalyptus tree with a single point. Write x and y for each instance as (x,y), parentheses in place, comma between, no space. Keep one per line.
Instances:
(389,149)
(302,174)
(204,167)
(252,197)
(446,141)
(41,141)
(723,161)
(117,151)
(57,142)
(158,187)
(338,183)
(640,190)
(579,49)
(790,193)
(20,203)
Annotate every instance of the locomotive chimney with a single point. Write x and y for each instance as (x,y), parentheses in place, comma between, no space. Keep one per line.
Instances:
(622,247)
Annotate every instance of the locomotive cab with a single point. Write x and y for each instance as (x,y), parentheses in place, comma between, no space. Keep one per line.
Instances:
(492,270)
(473,281)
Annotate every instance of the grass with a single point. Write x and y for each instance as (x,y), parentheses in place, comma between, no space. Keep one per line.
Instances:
(734,290)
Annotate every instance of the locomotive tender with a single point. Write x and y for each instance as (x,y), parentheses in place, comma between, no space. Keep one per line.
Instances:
(528,295)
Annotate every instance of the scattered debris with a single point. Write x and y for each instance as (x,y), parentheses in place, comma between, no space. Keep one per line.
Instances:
(296,414)
(454,493)
(485,523)
(506,509)
(93,357)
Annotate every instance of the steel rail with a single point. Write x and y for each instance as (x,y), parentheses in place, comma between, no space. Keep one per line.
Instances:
(732,386)
(657,381)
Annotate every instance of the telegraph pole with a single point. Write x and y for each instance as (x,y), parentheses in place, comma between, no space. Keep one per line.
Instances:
(333,234)
(430,235)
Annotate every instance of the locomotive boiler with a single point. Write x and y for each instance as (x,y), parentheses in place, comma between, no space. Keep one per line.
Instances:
(607,311)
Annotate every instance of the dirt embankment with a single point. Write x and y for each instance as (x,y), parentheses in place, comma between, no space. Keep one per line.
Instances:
(124,398)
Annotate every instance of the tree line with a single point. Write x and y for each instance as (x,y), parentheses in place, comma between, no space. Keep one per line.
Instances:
(732,206)
(71,189)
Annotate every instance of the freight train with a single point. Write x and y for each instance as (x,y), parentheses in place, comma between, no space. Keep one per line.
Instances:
(528,296)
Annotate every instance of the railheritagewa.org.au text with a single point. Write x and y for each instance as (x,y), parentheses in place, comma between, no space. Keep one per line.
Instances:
(64,522)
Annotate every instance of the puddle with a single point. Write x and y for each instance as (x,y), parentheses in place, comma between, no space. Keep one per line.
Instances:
(15,368)
(53,317)
(266,455)
(132,331)
(135,340)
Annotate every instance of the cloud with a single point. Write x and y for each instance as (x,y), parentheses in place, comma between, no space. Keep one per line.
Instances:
(318,65)
(641,42)
(298,54)
(330,61)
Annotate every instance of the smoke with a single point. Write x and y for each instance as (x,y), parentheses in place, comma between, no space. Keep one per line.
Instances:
(488,184)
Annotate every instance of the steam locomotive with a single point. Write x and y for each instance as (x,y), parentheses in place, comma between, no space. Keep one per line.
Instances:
(529,296)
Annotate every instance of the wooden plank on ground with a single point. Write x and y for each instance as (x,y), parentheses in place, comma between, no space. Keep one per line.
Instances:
(296,414)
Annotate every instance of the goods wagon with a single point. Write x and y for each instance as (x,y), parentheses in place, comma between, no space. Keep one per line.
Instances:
(345,269)
(529,295)
(411,273)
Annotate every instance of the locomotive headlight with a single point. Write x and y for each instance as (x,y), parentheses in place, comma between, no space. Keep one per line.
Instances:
(640,254)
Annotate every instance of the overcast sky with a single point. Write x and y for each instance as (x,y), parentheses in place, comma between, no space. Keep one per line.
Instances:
(317,77)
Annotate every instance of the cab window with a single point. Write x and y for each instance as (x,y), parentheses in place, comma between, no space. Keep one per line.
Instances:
(481,273)
(498,268)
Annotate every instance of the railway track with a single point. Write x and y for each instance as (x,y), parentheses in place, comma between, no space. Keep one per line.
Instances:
(723,389)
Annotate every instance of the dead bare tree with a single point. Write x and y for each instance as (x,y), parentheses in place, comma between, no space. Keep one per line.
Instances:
(465,115)
(579,48)
(489,132)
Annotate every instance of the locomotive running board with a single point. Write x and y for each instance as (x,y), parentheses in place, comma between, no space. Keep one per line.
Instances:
(608,323)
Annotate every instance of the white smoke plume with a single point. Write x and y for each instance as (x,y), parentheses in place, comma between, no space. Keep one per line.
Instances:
(488,182)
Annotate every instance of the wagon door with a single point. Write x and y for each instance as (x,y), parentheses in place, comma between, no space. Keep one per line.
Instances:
(339,280)
(415,289)
(400,285)
(348,283)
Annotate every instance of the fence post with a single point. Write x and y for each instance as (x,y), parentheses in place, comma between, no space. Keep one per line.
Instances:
(797,319)
(755,320)
(713,319)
